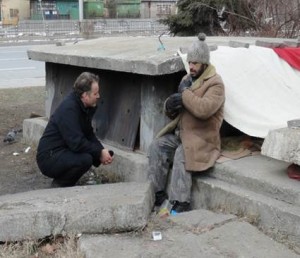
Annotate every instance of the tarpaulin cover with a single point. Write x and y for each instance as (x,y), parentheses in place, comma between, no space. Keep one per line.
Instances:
(262,90)
(290,55)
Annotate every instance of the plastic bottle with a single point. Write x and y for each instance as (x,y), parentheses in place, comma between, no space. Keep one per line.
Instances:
(164,209)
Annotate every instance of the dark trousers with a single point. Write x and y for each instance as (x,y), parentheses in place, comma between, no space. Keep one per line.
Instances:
(64,166)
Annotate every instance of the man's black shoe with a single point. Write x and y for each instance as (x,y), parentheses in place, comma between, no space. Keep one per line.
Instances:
(160,196)
(55,184)
(58,183)
(180,207)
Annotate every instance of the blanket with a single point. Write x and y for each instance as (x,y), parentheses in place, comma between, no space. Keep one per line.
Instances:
(262,90)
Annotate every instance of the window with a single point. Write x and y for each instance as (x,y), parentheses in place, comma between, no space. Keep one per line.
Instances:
(163,9)
(13,13)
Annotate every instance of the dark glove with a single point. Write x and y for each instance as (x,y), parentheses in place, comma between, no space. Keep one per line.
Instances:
(174,103)
(186,83)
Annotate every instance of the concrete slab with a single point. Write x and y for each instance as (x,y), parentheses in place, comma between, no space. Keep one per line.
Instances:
(276,218)
(283,144)
(292,44)
(82,209)
(122,53)
(270,44)
(234,239)
(200,220)
(262,175)
(238,44)
(33,129)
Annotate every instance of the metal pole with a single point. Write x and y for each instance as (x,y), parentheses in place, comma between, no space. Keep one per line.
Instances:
(41,7)
(1,12)
(80,10)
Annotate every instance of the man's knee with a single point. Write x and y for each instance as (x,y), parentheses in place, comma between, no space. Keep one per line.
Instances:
(86,161)
(153,145)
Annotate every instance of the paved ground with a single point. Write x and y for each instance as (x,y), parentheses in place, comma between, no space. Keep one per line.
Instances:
(198,233)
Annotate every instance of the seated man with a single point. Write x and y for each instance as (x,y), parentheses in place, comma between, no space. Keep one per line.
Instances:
(191,142)
(69,147)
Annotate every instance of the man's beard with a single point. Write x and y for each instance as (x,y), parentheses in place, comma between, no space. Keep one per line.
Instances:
(199,73)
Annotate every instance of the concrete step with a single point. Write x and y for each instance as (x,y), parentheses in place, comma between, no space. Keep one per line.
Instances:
(276,218)
(198,233)
(262,175)
(82,209)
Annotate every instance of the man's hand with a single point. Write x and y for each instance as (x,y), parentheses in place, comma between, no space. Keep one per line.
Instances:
(174,103)
(105,157)
(185,83)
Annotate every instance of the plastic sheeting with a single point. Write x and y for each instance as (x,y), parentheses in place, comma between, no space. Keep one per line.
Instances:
(262,90)
(291,55)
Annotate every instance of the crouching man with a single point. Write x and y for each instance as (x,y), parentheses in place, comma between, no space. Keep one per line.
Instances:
(69,147)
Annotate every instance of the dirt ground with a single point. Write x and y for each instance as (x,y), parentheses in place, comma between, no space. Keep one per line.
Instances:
(18,170)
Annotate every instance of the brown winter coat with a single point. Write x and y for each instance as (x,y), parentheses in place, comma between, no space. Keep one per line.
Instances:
(200,121)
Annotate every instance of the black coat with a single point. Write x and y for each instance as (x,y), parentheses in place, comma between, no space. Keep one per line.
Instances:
(70,127)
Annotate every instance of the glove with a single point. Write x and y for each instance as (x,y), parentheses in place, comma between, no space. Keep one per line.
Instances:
(186,83)
(174,103)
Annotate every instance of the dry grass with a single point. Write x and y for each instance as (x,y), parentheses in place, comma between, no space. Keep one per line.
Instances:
(58,247)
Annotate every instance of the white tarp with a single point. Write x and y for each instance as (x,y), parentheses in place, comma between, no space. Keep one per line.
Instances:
(262,90)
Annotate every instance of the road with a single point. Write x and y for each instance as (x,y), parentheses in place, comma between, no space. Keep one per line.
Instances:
(16,70)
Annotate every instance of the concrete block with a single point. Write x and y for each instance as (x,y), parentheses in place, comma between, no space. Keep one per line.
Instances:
(213,47)
(83,209)
(295,123)
(292,43)
(283,144)
(238,44)
(127,165)
(33,129)
(278,219)
(269,44)
(60,43)
(262,175)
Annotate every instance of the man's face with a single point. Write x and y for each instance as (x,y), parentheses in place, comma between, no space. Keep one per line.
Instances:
(91,97)
(195,69)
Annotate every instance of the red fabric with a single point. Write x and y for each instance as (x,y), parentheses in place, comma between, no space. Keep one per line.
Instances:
(290,55)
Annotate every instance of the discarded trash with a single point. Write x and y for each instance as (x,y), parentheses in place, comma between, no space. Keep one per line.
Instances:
(173,213)
(91,181)
(156,235)
(27,149)
(164,209)
(16,154)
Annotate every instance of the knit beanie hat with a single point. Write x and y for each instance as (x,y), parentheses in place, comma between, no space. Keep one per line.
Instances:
(199,51)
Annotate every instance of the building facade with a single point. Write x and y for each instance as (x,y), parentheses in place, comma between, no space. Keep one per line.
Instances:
(157,9)
(11,11)
(54,9)
(14,10)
